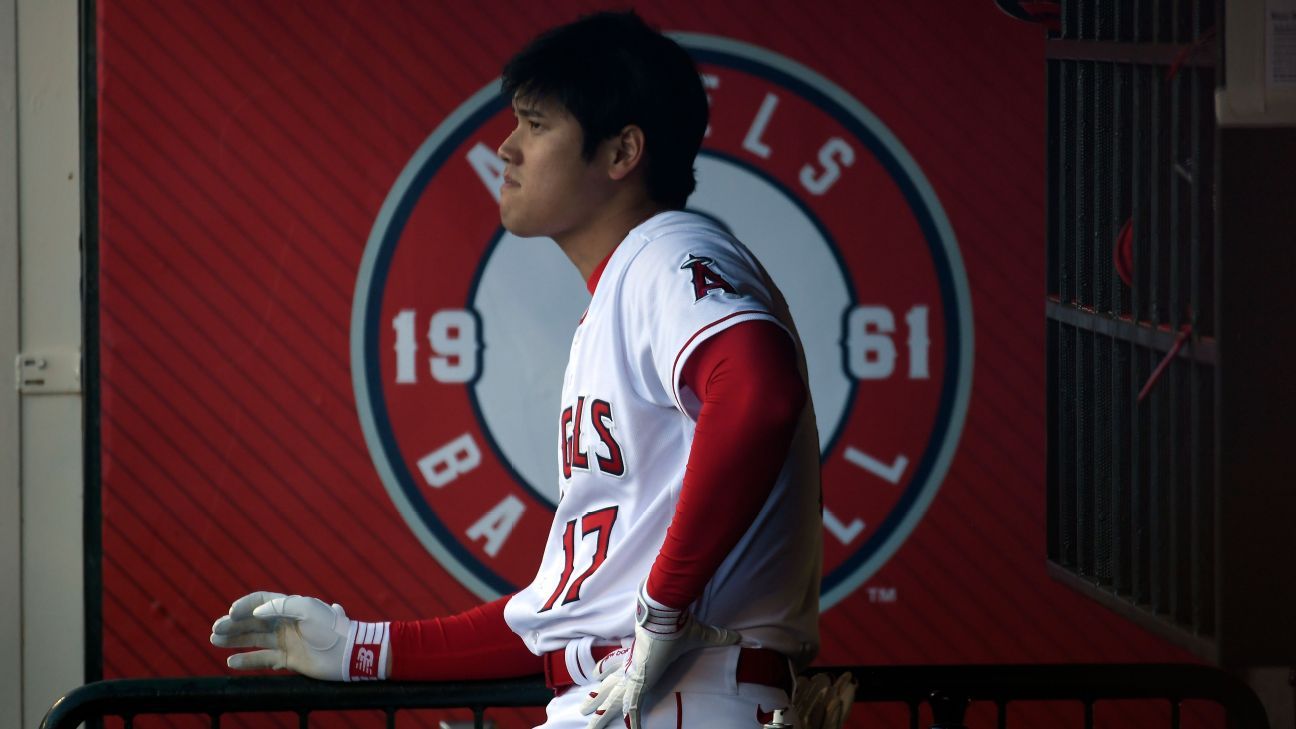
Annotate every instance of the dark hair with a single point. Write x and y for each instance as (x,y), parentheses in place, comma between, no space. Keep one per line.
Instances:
(610,70)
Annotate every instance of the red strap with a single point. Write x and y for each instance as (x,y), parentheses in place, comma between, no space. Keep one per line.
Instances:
(752,397)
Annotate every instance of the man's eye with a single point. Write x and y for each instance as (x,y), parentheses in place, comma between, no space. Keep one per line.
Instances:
(535,126)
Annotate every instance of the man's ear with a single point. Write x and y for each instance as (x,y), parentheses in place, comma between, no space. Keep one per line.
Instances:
(624,152)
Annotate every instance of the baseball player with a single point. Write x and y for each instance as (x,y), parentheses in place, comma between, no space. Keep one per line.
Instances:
(679,584)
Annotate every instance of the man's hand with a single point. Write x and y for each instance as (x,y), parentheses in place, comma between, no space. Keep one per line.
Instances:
(662,635)
(298,633)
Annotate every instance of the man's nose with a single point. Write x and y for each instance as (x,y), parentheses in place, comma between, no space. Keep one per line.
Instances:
(506,149)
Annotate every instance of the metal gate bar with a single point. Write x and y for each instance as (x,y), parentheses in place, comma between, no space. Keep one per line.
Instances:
(1132,364)
(947,690)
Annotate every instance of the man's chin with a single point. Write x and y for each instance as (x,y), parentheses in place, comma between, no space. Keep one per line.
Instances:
(519,229)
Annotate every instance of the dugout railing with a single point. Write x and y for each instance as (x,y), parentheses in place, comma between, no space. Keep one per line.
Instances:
(945,692)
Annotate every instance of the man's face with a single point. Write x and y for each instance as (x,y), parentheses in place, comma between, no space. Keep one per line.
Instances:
(549,189)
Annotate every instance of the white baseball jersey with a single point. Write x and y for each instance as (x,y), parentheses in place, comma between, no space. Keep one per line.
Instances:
(625,430)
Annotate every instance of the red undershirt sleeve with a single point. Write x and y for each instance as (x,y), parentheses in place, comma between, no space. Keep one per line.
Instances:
(475,644)
(752,396)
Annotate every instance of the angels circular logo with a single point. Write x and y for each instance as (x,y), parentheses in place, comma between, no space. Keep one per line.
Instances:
(460,331)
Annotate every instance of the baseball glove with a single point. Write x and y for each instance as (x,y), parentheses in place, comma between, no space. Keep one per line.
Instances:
(823,703)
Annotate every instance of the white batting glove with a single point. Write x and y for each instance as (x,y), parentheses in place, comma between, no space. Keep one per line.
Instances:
(611,663)
(662,634)
(301,634)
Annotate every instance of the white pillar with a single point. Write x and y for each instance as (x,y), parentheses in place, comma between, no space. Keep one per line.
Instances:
(49,322)
(10,501)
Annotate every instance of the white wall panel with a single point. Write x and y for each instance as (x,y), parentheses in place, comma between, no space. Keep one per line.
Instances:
(10,502)
(50,320)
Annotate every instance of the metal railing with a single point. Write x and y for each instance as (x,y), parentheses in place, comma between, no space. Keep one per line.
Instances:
(946,690)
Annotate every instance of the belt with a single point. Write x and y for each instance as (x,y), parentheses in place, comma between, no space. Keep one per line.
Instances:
(762,666)
(557,677)
(765,667)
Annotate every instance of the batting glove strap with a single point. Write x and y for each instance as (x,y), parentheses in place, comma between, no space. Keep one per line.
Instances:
(664,623)
(367,648)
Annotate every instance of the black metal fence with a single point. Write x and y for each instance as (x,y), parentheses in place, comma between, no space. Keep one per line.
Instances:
(1131,284)
(946,691)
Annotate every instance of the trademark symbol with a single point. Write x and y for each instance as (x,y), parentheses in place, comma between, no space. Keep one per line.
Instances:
(882,594)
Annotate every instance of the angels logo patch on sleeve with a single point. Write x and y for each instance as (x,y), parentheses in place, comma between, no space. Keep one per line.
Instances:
(705,279)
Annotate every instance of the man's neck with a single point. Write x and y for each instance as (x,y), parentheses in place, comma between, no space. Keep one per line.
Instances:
(589,245)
